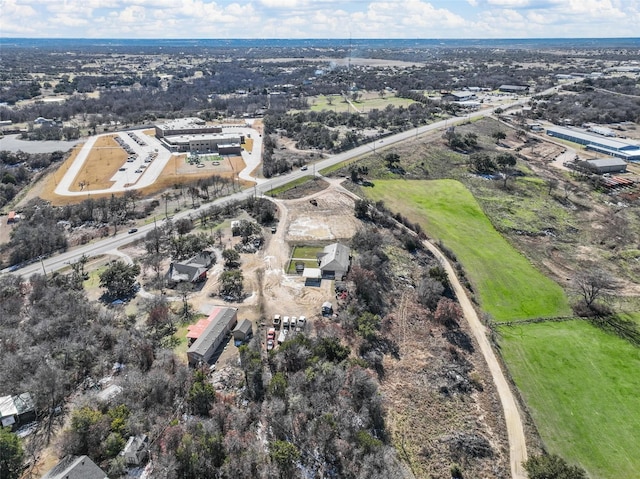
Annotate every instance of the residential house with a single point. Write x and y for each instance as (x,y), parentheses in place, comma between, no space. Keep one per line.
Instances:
(75,467)
(193,270)
(334,261)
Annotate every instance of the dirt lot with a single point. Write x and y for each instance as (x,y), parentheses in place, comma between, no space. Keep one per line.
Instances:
(103,162)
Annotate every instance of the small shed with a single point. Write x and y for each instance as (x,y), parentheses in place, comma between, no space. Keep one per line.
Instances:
(243,330)
(136,449)
(16,410)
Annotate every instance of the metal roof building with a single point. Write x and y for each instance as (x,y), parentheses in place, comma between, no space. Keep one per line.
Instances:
(605,165)
(620,149)
(243,330)
(223,320)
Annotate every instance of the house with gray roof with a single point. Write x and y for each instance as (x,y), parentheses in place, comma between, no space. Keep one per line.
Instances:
(193,270)
(75,467)
(334,261)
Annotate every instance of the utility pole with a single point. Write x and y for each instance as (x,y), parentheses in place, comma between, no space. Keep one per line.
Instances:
(43,270)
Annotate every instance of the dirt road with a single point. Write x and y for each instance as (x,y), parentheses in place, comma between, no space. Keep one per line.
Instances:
(515,431)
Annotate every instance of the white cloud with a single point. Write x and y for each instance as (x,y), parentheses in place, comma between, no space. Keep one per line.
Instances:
(319,18)
(12,7)
(132,14)
(280,3)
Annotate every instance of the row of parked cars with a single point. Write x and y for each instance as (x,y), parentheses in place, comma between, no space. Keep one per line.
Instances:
(286,325)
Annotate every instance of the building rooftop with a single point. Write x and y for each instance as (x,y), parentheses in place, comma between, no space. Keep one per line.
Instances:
(75,467)
(195,330)
(182,123)
(220,319)
(244,326)
(595,139)
(335,252)
(603,162)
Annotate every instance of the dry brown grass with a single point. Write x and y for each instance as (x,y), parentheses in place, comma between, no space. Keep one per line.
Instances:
(102,163)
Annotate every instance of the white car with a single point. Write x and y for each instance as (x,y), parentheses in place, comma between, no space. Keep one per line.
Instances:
(300,323)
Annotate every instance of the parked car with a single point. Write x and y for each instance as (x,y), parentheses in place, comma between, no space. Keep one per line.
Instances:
(276,321)
(300,323)
(271,334)
(270,344)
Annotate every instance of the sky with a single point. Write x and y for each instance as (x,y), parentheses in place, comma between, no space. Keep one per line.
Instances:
(223,19)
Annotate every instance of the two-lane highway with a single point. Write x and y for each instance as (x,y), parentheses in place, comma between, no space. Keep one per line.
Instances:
(113,242)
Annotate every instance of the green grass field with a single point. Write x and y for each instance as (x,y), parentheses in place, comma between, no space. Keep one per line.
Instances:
(507,285)
(337,103)
(583,388)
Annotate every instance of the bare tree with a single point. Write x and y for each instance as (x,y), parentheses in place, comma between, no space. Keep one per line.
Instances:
(593,284)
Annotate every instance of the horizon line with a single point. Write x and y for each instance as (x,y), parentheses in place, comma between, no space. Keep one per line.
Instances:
(318,38)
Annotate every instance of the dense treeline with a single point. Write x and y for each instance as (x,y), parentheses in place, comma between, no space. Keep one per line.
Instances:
(333,132)
(18,169)
(237,81)
(589,106)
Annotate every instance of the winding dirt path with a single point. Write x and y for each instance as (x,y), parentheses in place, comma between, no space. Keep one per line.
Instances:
(515,430)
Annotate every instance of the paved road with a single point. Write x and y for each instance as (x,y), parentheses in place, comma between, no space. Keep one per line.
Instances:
(108,244)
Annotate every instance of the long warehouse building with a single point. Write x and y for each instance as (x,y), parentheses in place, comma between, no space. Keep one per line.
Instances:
(222,322)
(608,146)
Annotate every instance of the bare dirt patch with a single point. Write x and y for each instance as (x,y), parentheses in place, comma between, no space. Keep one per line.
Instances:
(322,220)
(102,163)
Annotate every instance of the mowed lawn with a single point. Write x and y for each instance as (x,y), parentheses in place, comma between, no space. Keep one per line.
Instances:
(507,285)
(582,386)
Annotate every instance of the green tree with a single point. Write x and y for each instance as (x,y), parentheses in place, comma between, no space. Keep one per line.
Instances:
(505,162)
(11,454)
(119,279)
(278,385)
(231,283)
(392,160)
(201,396)
(231,258)
(368,325)
(285,455)
(499,136)
(361,209)
(552,467)
(482,163)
